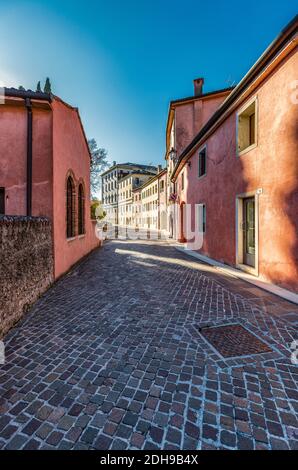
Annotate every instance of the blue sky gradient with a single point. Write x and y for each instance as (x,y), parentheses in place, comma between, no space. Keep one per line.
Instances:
(121,62)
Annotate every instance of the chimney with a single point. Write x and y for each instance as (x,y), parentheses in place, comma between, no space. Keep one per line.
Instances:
(159,168)
(198,86)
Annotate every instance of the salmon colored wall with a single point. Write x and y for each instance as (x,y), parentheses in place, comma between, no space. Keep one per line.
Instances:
(13,135)
(70,153)
(42,166)
(13,158)
(272,166)
(191,117)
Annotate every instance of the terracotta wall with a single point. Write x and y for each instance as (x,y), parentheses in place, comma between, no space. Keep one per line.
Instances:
(70,154)
(13,158)
(42,164)
(191,117)
(271,166)
(13,131)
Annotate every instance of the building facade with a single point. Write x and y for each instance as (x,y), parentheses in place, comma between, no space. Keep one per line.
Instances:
(137,208)
(45,170)
(127,185)
(239,173)
(110,186)
(185,119)
(153,202)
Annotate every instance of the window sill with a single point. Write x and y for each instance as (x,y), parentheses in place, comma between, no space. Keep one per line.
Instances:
(202,176)
(82,235)
(246,150)
(71,239)
(248,269)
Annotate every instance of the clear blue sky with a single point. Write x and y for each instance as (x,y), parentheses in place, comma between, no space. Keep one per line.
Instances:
(121,62)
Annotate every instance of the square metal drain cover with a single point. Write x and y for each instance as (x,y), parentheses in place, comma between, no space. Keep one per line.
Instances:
(234,340)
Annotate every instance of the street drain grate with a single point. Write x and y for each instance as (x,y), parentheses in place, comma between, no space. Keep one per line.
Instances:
(234,340)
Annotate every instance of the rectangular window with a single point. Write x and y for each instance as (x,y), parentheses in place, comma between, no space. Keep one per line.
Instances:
(202,218)
(172,135)
(202,162)
(246,126)
(2,200)
(182,181)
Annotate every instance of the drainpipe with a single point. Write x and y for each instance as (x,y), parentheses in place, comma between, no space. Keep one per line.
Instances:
(28,105)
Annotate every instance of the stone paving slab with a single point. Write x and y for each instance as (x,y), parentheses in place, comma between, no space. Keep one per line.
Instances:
(111,358)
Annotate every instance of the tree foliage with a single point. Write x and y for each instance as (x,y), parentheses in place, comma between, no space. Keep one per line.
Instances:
(38,87)
(97,166)
(96,210)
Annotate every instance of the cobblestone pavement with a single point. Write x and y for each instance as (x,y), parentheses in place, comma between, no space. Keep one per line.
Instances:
(112,357)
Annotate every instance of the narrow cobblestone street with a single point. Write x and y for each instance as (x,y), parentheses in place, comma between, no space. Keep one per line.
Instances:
(111,357)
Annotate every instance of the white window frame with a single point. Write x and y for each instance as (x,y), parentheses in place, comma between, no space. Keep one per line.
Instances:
(254,99)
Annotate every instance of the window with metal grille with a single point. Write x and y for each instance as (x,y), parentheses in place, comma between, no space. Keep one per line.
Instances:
(81,210)
(70,208)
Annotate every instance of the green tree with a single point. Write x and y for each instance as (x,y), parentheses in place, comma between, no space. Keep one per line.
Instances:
(47,86)
(97,211)
(38,87)
(97,166)
(21,88)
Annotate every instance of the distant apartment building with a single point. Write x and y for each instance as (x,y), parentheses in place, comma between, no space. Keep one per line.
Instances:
(126,187)
(153,202)
(137,208)
(110,185)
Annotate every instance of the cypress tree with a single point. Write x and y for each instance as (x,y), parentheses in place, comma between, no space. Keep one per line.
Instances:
(47,86)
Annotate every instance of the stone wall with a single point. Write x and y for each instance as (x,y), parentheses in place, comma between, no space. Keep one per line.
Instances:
(26,265)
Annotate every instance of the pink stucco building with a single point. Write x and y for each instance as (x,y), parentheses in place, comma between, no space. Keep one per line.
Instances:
(45,170)
(185,118)
(239,171)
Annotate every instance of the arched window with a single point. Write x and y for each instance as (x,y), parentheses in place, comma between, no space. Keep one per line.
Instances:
(70,208)
(81,210)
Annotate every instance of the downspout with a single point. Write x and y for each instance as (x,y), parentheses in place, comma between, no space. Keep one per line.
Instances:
(28,105)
